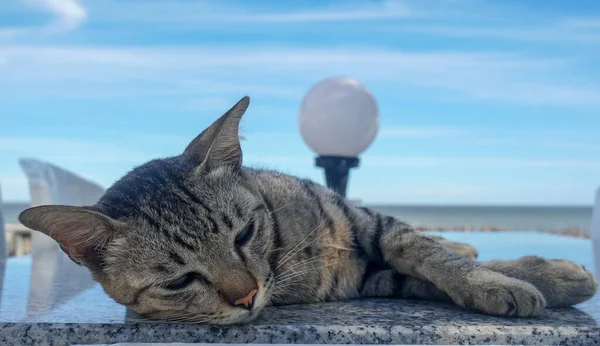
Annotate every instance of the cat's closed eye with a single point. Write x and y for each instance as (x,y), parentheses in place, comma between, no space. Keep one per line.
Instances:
(245,235)
(182,282)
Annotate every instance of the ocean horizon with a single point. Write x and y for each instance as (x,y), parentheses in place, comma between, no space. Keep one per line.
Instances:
(507,217)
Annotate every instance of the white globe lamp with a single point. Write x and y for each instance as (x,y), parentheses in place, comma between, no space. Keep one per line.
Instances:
(338,120)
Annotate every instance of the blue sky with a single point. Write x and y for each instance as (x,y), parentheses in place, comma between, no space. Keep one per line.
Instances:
(481,102)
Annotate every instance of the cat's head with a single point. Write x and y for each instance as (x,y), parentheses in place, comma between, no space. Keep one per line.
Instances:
(185,238)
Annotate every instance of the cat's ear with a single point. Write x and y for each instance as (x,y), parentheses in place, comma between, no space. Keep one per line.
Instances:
(219,144)
(81,233)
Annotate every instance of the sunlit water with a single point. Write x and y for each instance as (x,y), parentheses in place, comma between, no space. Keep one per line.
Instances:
(512,245)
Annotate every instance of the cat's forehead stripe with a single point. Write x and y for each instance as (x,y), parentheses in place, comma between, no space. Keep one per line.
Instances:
(227,220)
(160,268)
(277,240)
(192,199)
(176,258)
(238,211)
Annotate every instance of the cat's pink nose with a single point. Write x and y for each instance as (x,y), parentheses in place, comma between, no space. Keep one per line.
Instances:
(246,302)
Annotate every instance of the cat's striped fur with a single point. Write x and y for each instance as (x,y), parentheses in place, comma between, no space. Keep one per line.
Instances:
(199,237)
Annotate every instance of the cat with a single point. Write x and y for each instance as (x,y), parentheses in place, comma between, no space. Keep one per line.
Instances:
(200,238)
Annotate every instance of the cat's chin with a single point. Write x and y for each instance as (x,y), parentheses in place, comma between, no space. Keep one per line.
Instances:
(239,318)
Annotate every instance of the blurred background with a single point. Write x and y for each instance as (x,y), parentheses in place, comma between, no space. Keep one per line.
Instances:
(488,110)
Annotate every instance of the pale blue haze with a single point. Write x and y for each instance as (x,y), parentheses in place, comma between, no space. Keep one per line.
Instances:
(482,102)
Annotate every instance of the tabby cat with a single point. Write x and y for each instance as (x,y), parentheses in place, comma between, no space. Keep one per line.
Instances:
(200,238)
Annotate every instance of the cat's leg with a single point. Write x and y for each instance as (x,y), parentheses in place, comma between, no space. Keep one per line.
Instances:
(390,283)
(463,249)
(563,283)
(466,282)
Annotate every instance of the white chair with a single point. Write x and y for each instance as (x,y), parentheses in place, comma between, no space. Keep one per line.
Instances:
(50,184)
(51,267)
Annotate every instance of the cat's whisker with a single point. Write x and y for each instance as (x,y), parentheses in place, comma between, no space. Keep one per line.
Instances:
(281,292)
(306,259)
(281,296)
(292,267)
(338,247)
(302,248)
(283,277)
(289,282)
(278,248)
(307,271)
(180,317)
(294,251)
(189,318)
(170,320)
(287,255)
(280,208)
(301,263)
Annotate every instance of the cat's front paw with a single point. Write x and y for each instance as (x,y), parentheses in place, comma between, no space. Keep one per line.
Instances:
(563,283)
(495,294)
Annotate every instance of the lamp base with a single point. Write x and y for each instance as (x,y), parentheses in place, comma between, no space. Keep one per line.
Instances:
(337,169)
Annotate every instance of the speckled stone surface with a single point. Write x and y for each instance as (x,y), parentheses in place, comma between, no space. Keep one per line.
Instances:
(38,307)
(357,322)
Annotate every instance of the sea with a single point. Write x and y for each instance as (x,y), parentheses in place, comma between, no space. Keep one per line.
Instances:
(517,218)
(521,218)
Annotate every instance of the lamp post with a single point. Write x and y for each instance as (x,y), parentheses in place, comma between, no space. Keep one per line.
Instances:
(338,120)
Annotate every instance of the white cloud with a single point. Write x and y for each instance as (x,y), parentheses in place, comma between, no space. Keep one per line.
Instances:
(487,19)
(199,14)
(70,150)
(386,10)
(540,94)
(8,33)
(534,140)
(272,160)
(208,71)
(587,23)
(68,15)
(546,34)
(479,162)
(419,131)
(484,19)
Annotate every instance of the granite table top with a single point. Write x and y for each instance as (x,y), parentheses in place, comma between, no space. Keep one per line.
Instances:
(47,300)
